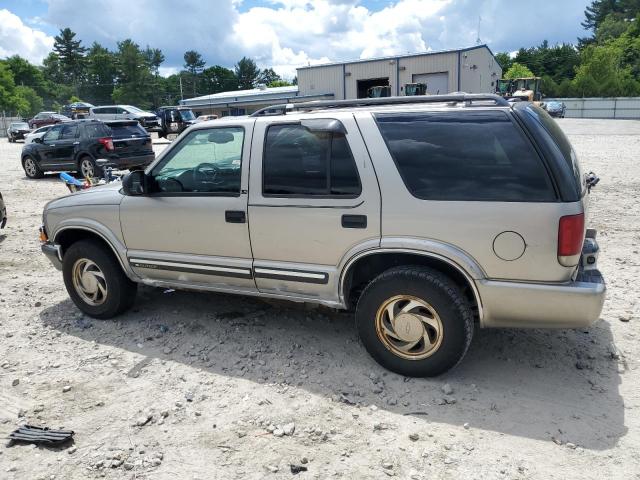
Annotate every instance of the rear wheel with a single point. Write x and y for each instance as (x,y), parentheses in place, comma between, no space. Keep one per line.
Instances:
(95,282)
(414,321)
(31,168)
(88,167)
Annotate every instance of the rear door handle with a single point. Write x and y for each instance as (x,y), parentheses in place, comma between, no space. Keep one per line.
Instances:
(235,216)
(354,221)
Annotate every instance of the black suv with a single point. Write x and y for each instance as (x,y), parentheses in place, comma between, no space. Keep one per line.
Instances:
(76,145)
(174,120)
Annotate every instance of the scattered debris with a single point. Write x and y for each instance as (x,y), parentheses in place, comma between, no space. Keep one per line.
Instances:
(296,469)
(40,435)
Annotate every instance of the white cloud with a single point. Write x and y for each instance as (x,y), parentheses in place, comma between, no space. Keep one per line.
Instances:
(16,38)
(285,34)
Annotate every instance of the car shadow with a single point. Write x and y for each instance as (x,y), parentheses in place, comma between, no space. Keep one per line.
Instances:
(553,385)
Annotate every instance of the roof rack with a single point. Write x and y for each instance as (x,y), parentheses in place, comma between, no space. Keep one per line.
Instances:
(467,98)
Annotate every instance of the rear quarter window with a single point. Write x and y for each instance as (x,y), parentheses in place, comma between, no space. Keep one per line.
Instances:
(128,131)
(465,156)
(561,141)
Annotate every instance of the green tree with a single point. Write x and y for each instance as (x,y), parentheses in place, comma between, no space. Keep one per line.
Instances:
(518,70)
(194,64)
(70,53)
(154,58)
(268,76)
(100,77)
(133,76)
(280,83)
(30,99)
(219,79)
(247,73)
(602,73)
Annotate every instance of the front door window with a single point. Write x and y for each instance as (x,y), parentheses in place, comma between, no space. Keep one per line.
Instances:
(205,162)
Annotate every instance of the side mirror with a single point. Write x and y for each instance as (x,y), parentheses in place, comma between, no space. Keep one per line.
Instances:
(38,140)
(133,183)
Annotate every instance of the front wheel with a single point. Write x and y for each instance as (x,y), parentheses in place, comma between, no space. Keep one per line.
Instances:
(31,168)
(414,321)
(95,282)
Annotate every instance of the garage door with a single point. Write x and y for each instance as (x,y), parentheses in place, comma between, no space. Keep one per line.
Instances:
(437,83)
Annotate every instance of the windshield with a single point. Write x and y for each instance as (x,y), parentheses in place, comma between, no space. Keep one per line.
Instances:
(133,109)
(554,104)
(20,125)
(187,115)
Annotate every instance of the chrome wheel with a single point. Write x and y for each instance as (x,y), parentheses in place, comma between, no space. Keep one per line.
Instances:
(86,167)
(89,282)
(30,167)
(409,327)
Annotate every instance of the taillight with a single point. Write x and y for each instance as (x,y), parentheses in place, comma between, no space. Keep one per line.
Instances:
(570,239)
(107,142)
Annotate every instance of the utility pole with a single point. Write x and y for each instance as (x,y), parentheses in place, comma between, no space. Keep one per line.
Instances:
(478,41)
(181,96)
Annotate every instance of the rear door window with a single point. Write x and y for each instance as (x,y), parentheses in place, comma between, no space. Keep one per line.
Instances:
(69,132)
(466,156)
(299,162)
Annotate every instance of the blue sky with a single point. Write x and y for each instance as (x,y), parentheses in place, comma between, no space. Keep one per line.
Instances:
(286,34)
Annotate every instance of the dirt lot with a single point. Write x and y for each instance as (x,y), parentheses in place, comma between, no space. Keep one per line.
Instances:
(190,386)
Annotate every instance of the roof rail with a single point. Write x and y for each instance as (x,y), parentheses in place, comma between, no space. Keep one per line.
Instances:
(468,98)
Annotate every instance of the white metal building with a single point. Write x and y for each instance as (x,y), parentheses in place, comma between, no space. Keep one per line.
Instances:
(472,70)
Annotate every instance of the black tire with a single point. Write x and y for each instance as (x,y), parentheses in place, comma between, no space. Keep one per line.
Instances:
(438,292)
(87,167)
(120,291)
(31,167)
(11,140)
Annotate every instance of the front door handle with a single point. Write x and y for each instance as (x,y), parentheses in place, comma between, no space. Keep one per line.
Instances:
(354,221)
(235,216)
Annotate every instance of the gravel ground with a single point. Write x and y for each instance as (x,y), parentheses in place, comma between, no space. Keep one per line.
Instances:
(201,386)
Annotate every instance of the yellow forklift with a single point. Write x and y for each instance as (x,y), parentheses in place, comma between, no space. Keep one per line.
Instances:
(525,89)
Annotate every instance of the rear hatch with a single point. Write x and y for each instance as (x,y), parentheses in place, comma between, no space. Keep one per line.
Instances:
(130,139)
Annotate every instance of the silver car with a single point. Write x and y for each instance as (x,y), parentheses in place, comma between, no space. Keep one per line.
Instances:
(424,215)
(126,112)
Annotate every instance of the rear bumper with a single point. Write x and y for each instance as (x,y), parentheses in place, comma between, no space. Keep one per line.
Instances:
(531,305)
(53,253)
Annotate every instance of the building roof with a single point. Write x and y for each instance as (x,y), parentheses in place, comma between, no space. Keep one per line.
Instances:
(393,57)
(274,92)
(253,96)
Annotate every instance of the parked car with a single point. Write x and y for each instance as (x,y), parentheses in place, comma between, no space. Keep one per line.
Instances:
(47,118)
(174,120)
(423,217)
(556,109)
(76,145)
(206,118)
(3,212)
(126,112)
(17,131)
(77,110)
(38,133)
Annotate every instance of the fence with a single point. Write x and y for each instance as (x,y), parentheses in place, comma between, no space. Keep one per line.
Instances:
(616,107)
(5,122)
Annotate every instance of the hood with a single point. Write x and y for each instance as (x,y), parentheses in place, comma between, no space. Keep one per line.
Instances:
(101,195)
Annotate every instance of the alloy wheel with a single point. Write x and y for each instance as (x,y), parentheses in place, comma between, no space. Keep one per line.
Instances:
(30,167)
(86,167)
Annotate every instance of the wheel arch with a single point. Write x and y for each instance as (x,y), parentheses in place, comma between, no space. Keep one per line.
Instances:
(67,236)
(362,268)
